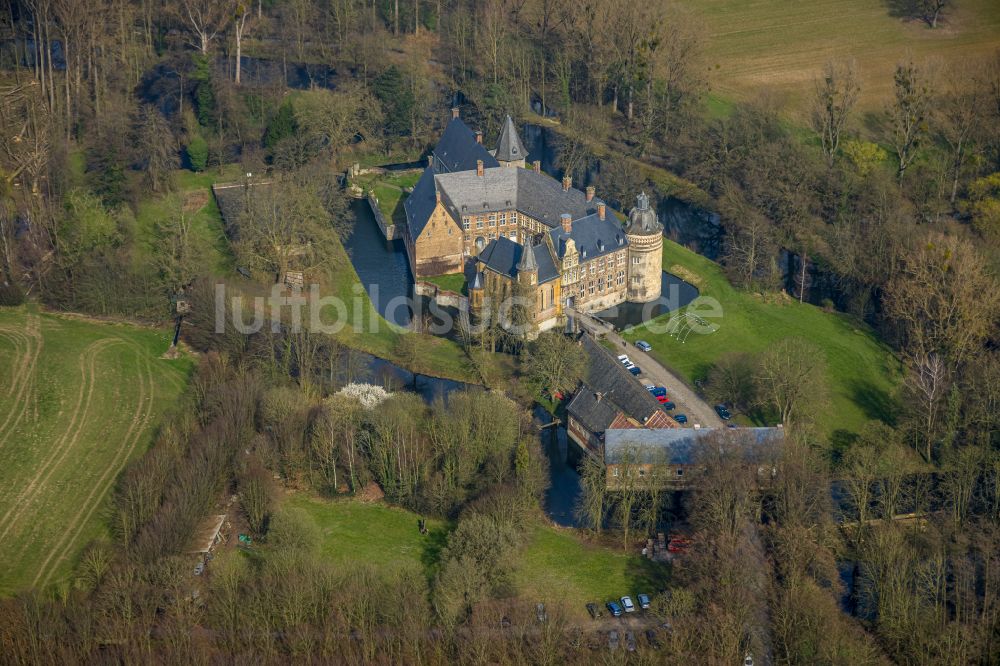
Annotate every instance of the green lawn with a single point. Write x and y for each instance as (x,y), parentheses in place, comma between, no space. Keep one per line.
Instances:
(555,565)
(559,566)
(778,47)
(374,533)
(450,282)
(192,197)
(863,373)
(79,400)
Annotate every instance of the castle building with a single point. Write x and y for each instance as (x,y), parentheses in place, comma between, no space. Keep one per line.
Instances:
(525,231)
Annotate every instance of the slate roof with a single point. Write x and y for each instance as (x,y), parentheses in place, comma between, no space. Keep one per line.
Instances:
(503,256)
(457,150)
(593,414)
(509,147)
(592,236)
(619,389)
(420,204)
(642,218)
(679,446)
(537,195)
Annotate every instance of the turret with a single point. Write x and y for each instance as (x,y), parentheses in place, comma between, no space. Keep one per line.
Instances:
(510,151)
(527,267)
(645,253)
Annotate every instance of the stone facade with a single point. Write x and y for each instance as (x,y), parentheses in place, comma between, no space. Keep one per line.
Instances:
(525,229)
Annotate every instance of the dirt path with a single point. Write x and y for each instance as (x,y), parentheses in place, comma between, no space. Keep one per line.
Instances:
(137,426)
(688,402)
(65,443)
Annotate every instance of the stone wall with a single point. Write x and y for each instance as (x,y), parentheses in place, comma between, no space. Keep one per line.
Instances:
(439,249)
(645,268)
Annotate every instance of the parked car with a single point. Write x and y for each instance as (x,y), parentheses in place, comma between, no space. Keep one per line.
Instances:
(723,412)
(662,399)
(594,611)
(628,605)
(635,370)
(643,600)
(643,346)
(613,639)
(748,659)
(540,613)
(653,639)
(658,390)
(199,568)
(629,641)
(669,406)
(680,418)
(614,609)
(624,359)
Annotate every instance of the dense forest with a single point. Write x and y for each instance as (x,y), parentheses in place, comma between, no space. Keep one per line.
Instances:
(890,215)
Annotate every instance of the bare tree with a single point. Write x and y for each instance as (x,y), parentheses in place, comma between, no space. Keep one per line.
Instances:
(206,18)
(792,379)
(958,114)
(928,381)
(836,93)
(241,23)
(931,10)
(909,111)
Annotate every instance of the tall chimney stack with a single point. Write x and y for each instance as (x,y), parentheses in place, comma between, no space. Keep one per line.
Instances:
(430,160)
(567,182)
(567,222)
(479,137)
(590,192)
(538,166)
(479,167)
(454,112)
(601,207)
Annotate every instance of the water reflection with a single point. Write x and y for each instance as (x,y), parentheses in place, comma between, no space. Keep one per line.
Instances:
(381,265)
(676,293)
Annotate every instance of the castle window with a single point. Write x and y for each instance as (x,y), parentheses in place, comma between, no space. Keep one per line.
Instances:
(513,235)
(479,223)
(600,285)
(466,223)
(635,261)
(621,258)
(503,218)
(493,219)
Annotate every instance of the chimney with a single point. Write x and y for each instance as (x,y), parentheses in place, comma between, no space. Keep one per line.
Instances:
(479,137)
(479,167)
(601,207)
(430,160)
(538,166)
(590,192)
(567,182)
(567,222)
(437,195)
(454,112)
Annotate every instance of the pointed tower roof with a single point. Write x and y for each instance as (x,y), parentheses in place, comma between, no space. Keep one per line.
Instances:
(528,262)
(509,147)
(642,219)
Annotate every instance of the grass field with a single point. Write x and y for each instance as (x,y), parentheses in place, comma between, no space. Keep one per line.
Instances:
(777,46)
(862,372)
(558,566)
(375,533)
(80,399)
(450,282)
(192,197)
(555,565)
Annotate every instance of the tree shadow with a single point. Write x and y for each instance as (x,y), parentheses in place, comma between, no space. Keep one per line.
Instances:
(876,402)
(841,440)
(909,10)
(646,576)
(434,543)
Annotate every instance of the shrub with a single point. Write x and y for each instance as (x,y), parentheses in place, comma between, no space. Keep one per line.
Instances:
(11,294)
(197,152)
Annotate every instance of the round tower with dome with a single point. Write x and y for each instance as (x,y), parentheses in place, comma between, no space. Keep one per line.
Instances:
(645,253)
